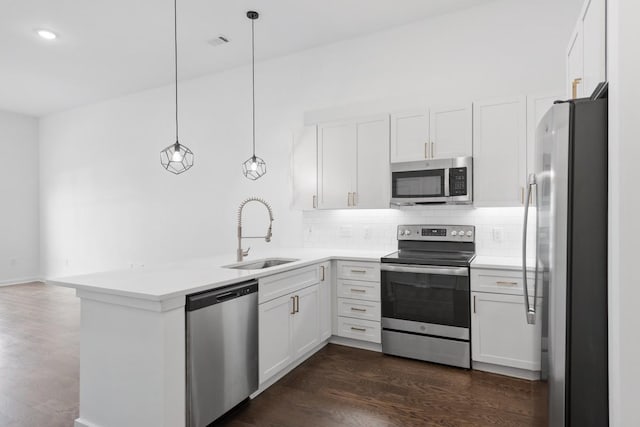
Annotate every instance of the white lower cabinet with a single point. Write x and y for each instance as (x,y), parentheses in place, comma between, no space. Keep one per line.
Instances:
(275,345)
(500,334)
(305,326)
(292,325)
(357,307)
(326,298)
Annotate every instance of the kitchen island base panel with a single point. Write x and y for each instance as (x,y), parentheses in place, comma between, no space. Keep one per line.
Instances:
(506,370)
(132,366)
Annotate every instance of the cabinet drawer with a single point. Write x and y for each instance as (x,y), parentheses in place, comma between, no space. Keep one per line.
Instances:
(367,310)
(501,281)
(358,289)
(368,271)
(271,287)
(365,330)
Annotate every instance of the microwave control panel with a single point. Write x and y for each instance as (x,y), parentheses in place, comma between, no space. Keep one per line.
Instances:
(458,181)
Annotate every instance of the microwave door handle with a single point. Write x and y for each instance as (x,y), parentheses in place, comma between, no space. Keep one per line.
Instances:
(530,311)
(446,183)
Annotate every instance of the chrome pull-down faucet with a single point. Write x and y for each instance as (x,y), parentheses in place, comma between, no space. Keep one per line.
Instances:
(241,253)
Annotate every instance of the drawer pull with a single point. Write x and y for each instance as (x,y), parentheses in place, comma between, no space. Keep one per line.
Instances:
(363,310)
(358,271)
(502,283)
(358,290)
(353,328)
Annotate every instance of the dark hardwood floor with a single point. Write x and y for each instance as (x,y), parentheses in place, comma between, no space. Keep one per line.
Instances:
(342,386)
(339,386)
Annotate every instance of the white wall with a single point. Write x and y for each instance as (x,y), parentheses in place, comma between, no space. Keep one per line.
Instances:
(106,202)
(624,205)
(19,235)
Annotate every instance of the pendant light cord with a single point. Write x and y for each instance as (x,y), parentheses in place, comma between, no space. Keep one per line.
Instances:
(175,51)
(253,86)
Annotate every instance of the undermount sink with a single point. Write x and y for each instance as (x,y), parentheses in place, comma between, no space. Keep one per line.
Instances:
(261,263)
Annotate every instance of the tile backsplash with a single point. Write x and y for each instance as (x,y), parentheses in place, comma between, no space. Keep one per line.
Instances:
(498,230)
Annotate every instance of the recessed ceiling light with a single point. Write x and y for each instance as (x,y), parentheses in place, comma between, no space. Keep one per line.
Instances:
(47,35)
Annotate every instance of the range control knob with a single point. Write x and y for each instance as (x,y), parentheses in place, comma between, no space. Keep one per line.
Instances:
(407,232)
(469,233)
(454,233)
(461,233)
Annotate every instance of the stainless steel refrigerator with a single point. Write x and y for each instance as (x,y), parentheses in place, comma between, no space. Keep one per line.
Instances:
(568,192)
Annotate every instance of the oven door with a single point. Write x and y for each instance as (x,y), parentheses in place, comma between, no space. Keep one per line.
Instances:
(427,300)
(419,186)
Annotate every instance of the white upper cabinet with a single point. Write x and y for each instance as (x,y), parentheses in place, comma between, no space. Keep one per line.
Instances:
(374,174)
(353,164)
(586,53)
(410,136)
(594,38)
(575,66)
(435,133)
(500,151)
(451,131)
(336,164)
(304,168)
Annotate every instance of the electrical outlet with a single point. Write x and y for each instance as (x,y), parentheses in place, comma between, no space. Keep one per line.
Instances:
(497,234)
(367,232)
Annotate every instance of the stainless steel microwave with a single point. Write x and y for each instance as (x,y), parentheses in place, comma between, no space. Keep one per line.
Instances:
(432,181)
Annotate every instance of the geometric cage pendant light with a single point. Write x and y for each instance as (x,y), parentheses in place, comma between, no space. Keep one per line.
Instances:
(176,158)
(254,167)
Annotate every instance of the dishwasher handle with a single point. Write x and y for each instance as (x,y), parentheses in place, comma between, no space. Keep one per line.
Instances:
(220,295)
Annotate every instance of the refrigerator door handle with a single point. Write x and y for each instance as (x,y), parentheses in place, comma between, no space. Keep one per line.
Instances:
(530,310)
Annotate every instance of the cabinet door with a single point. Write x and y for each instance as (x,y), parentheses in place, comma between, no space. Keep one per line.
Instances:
(410,135)
(275,349)
(451,131)
(499,151)
(575,63)
(594,39)
(336,164)
(325,301)
(537,107)
(373,171)
(500,333)
(304,168)
(306,321)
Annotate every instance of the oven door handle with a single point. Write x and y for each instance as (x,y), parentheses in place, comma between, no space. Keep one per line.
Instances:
(444,271)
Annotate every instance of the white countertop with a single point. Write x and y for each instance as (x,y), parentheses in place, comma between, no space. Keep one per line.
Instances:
(500,263)
(177,279)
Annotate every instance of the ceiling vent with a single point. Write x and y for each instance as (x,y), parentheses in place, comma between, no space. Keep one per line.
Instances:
(219,40)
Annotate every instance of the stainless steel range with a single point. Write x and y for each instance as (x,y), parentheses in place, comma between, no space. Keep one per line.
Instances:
(426,294)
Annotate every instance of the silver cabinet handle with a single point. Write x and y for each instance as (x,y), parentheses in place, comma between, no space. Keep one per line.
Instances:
(446,271)
(433,144)
(426,150)
(322,273)
(354,199)
(293,305)
(363,310)
(530,311)
(353,328)
(358,271)
(474,304)
(348,199)
(297,304)
(502,283)
(358,290)
(315,201)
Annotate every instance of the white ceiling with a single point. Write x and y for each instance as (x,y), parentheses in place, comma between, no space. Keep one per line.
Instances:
(110,48)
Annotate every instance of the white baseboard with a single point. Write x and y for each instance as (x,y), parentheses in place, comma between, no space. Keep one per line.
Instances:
(506,370)
(350,342)
(79,422)
(20,281)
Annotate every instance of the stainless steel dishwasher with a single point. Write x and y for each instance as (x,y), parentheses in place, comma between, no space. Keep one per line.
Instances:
(222,350)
